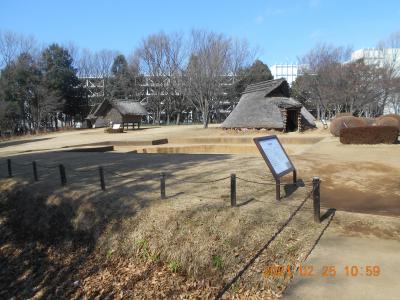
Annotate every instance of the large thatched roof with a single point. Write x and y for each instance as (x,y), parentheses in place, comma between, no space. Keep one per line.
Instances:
(269,88)
(124,107)
(260,106)
(129,107)
(307,118)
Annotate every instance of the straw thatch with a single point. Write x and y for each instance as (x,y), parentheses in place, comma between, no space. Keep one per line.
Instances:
(129,108)
(307,118)
(263,105)
(116,111)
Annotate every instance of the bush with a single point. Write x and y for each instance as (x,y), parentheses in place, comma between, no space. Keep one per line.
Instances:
(369,135)
(345,122)
(391,116)
(388,121)
(369,121)
(345,114)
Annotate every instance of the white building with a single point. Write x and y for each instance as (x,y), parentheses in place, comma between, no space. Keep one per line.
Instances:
(287,71)
(378,57)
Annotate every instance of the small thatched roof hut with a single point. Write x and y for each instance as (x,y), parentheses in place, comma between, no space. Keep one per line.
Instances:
(268,105)
(116,111)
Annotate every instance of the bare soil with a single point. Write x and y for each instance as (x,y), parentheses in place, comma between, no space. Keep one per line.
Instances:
(78,241)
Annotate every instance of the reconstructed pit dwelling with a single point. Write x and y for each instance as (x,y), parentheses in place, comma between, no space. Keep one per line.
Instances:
(264,105)
(117,111)
(268,105)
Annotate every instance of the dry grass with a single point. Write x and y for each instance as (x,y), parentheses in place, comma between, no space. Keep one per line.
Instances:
(193,234)
(200,236)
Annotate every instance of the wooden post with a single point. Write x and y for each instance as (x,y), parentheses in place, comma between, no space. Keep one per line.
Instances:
(9,167)
(294,176)
(278,189)
(162,185)
(62,175)
(102,182)
(316,199)
(35,174)
(299,124)
(233,189)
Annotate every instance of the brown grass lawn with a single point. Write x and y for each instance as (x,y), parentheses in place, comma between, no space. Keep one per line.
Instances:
(78,241)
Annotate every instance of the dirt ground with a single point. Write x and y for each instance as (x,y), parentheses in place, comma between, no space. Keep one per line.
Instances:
(135,245)
(359,178)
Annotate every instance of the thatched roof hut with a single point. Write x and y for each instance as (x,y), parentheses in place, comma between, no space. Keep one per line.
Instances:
(267,105)
(116,111)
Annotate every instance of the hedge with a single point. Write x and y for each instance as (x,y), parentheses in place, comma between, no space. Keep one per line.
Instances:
(369,121)
(388,120)
(391,116)
(345,122)
(369,135)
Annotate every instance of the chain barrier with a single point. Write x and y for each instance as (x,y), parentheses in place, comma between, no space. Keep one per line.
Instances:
(48,166)
(253,259)
(148,177)
(271,183)
(21,164)
(55,167)
(82,171)
(200,182)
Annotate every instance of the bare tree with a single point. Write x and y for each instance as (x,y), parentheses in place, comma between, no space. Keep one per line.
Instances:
(13,44)
(322,82)
(101,64)
(175,54)
(240,55)
(390,51)
(153,55)
(335,85)
(208,64)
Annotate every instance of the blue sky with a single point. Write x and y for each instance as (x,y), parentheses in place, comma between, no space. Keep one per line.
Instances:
(283,30)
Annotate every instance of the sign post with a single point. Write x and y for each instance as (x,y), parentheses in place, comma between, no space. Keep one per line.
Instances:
(277,160)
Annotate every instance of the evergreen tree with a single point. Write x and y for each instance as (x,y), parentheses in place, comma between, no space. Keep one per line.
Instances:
(59,77)
(20,83)
(257,72)
(125,79)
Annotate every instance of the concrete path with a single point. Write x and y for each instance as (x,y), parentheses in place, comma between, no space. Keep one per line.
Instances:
(341,251)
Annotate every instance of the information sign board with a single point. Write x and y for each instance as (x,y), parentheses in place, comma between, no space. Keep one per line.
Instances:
(276,158)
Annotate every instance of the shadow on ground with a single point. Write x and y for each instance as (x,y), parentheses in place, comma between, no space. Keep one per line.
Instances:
(48,232)
(20,142)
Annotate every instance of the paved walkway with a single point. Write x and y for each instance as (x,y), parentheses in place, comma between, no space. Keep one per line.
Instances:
(341,251)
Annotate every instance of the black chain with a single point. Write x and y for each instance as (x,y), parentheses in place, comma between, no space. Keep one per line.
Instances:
(252,260)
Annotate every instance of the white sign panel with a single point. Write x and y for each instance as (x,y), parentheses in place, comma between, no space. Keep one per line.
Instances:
(276,155)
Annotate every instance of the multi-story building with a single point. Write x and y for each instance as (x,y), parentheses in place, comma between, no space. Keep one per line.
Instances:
(382,57)
(287,71)
(379,57)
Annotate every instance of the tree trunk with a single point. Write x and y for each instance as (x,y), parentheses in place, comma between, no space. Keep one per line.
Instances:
(205,119)
(56,122)
(178,117)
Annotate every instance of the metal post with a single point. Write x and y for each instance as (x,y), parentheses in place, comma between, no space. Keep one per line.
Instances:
(62,175)
(9,167)
(102,182)
(316,199)
(278,189)
(35,174)
(162,185)
(233,189)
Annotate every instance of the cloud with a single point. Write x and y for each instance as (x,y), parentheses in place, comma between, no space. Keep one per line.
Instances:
(259,19)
